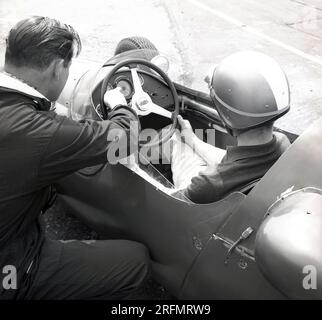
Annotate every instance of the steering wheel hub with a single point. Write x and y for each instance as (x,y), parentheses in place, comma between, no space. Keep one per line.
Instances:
(142,103)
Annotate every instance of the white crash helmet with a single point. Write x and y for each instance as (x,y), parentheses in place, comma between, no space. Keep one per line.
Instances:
(249,89)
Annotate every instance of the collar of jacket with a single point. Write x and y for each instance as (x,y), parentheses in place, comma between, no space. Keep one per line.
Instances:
(237,153)
(13,84)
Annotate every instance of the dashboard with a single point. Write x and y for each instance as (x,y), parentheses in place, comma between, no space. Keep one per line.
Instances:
(153,85)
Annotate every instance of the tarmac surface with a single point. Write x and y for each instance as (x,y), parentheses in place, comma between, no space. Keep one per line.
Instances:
(194,34)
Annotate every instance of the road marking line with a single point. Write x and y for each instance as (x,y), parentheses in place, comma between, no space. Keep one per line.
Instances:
(257,33)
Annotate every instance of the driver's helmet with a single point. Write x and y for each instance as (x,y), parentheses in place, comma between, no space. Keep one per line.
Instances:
(249,89)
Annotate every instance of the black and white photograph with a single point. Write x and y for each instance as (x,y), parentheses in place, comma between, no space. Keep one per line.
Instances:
(160,151)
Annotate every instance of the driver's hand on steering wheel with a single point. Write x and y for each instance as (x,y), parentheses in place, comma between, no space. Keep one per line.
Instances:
(186,130)
(114,98)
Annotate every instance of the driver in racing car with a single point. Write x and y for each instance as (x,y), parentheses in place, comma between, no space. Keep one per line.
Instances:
(39,147)
(250,91)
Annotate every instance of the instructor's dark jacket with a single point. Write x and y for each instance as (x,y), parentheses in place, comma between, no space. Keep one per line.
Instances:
(38,147)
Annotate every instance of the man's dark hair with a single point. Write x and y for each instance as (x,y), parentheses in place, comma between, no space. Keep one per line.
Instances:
(37,41)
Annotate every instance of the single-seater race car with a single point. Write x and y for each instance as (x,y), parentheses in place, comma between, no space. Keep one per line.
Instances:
(263,241)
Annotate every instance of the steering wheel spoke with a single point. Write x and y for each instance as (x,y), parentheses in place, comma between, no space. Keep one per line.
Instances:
(142,102)
(154,108)
(136,81)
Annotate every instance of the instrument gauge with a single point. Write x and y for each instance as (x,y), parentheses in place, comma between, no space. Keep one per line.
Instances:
(126,88)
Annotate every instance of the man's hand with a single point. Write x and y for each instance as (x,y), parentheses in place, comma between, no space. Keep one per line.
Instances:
(209,153)
(114,98)
(186,130)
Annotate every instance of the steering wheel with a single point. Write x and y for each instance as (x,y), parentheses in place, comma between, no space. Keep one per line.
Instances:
(141,101)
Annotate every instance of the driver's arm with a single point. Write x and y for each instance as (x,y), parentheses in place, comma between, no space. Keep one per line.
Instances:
(207,187)
(210,154)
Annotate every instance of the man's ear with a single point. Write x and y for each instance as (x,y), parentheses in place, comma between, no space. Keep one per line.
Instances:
(57,67)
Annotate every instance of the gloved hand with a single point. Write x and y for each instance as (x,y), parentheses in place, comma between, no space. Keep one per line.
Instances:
(114,98)
(186,130)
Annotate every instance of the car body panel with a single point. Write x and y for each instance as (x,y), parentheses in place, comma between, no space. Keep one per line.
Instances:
(189,243)
(117,203)
(297,168)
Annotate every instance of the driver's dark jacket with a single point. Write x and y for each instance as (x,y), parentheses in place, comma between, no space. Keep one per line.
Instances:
(240,166)
(38,147)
